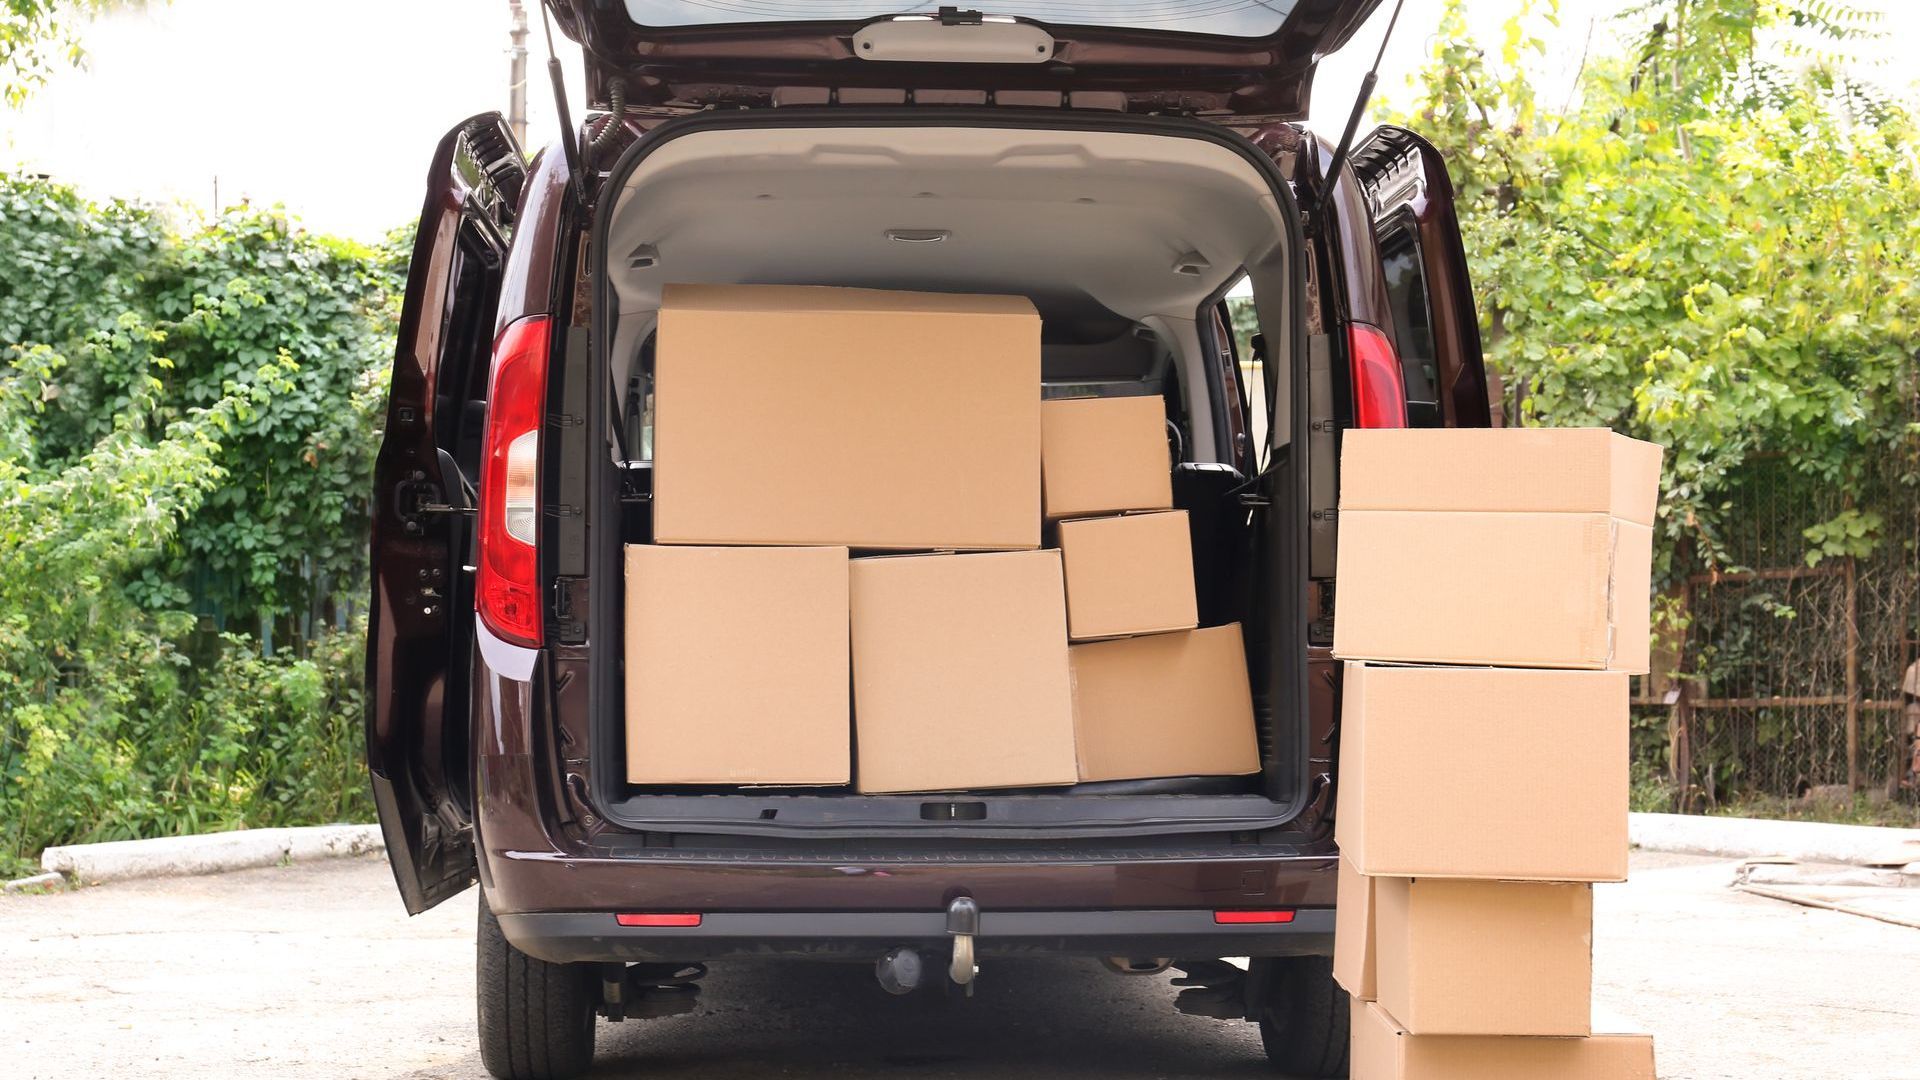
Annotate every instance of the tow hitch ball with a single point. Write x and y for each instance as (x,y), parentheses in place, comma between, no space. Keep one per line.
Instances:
(899,971)
(963,922)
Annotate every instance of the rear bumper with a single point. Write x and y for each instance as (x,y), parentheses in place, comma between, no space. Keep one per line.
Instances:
(555,876)
(568,937)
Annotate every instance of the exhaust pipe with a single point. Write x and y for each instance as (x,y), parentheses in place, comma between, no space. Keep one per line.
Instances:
(1137,965)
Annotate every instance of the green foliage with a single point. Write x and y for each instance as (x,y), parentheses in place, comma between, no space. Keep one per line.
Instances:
(1649,792)
(36,36)
(1709,246)
(179,321)
(1851,533)
(1859,808)
(185,421)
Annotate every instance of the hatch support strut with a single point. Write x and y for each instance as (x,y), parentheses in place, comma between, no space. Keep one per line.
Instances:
(569,139)
(1360,105)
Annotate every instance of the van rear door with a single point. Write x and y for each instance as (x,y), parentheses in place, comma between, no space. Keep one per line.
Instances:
(420,625)
(1435,328)
(1209,57)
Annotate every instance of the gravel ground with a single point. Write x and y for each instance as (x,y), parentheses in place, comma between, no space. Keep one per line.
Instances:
(313,971)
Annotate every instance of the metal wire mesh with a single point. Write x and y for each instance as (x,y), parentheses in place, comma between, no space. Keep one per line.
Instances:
(1790,676)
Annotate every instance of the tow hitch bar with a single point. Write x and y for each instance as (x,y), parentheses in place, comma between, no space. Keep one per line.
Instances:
(963,922)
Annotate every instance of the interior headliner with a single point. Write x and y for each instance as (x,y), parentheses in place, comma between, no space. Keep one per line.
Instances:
(1100,229)
(1063,217)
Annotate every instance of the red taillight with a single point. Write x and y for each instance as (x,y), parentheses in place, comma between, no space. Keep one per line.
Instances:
(1379,387)
(1239,918)
(508,593)
(657,918)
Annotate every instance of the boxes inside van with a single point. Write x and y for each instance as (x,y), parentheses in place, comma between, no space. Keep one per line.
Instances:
(937,440)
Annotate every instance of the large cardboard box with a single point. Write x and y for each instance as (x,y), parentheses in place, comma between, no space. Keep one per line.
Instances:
(960,672)
(1129,574)
(1528,547)
(1164,705)
(1493,773)
(1105,455)
(1485,957)
(1355,946)
(1384,1050)
(736,666)
(803,415)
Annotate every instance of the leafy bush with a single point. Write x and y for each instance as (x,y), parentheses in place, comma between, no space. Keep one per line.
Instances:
(35,35)
(176,323)
(187,426)
(1705,247)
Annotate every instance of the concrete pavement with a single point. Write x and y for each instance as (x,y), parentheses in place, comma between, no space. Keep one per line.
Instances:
(312,970)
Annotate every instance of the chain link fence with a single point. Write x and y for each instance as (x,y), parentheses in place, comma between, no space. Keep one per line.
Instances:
(1788,676)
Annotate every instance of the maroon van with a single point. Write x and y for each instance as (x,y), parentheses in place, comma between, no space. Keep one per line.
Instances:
(1128,174)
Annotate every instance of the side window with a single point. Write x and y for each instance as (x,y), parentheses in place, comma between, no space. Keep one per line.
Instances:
(637,405)
(1412,322)
(1250,349)
(466,329)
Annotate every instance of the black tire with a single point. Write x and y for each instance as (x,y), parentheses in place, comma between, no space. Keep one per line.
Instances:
(1307,1020)
(536,1018)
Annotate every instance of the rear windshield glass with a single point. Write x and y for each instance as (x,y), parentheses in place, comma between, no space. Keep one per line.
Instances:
(1234,18)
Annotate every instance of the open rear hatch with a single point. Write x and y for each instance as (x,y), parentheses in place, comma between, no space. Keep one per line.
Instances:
(1194,57)
(732,197)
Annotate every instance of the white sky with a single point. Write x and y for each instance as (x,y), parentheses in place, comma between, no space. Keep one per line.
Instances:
(334,109)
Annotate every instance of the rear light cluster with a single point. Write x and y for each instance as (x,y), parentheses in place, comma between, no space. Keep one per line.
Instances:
(1379,387)
(508,593)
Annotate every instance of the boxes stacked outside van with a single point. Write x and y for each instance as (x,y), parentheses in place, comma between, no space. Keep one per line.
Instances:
(1484,743)
(846,584)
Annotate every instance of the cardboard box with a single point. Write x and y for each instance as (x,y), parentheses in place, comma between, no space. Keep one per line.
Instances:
(1105,455)
(1384,1050)
(1485,957)
(736,666)
(960,672)
(1493,773)
(1355,966)
(1519,470)
(1164,705)
(1525,547)
(1131,574)
(887,420)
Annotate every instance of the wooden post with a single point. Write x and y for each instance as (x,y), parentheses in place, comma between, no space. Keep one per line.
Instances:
(1680,719)
(1853,677)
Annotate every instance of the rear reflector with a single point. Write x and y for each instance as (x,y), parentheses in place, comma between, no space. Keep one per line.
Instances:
(1238,918)
(656,918)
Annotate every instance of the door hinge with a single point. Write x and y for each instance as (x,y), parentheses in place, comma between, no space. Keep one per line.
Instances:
(419,496)
(570,609)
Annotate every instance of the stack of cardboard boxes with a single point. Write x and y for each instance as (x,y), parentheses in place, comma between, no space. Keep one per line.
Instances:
(1153,695)
(1493,602)
(846,582)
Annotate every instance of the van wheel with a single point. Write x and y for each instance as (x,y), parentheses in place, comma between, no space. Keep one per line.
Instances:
(1306,1020)
(536,1018)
